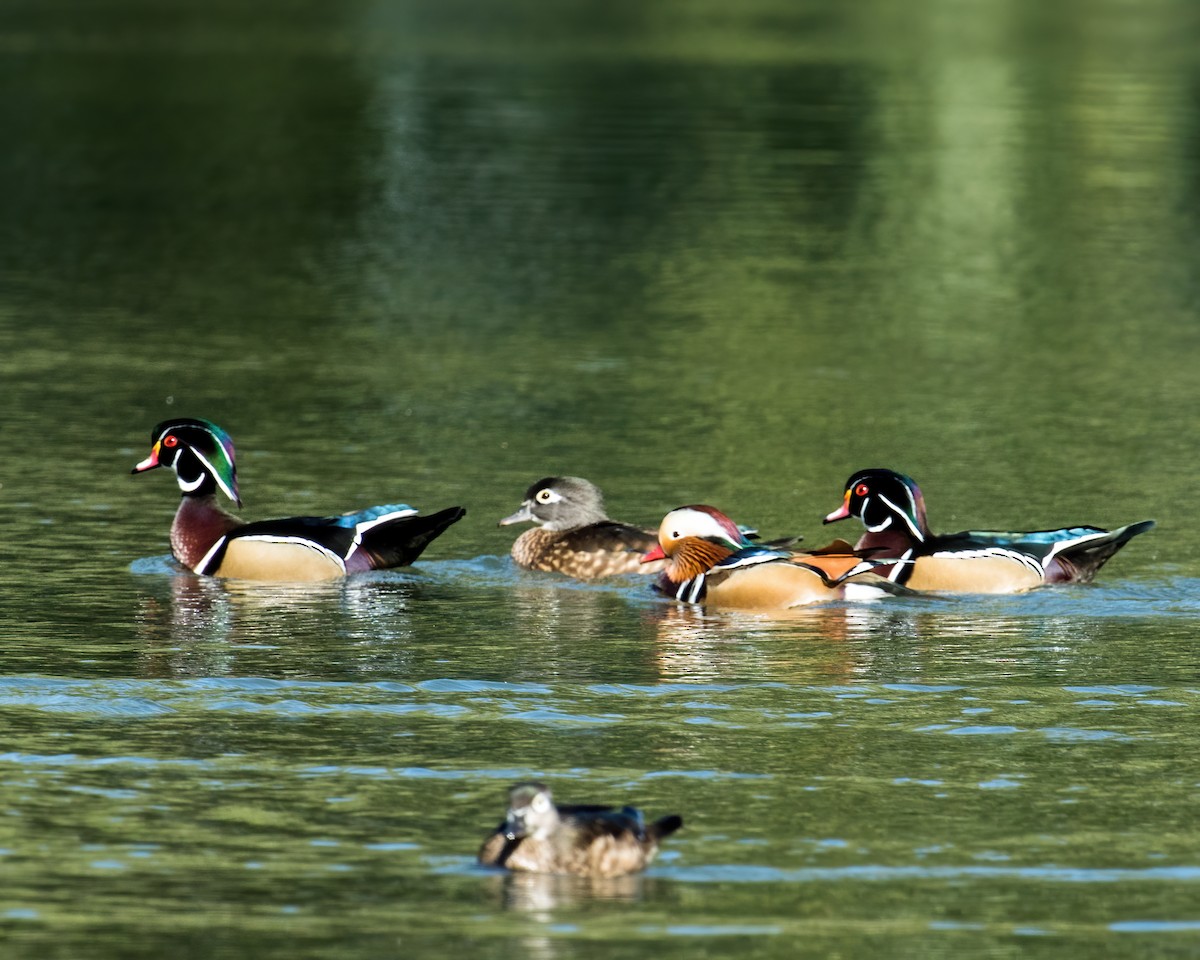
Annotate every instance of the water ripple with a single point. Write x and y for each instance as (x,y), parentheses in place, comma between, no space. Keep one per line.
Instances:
(73,760)
(747,873)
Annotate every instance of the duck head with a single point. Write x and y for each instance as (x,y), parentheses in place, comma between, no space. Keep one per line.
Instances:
(198,452)
(531,812)
(560,503)
(692,539)
(884,500)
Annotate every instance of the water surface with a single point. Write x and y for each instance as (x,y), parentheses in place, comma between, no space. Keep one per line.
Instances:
(697,254)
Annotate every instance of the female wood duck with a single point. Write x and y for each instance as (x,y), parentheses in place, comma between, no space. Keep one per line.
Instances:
(709,560)
(891,507)
(209,540)
(574,535)
(593,841)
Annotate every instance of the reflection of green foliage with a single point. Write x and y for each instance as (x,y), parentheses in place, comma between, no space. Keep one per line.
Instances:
(704,251)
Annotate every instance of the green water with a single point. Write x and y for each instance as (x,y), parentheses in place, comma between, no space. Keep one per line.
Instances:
(696,252)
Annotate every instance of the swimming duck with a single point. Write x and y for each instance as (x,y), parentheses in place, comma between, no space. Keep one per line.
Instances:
(892,508)
(207,539)
(574,535)
(538,836)
(710,560)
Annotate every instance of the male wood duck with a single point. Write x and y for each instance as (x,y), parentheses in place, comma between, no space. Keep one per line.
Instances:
(709,560)
(207,539)
(891,507)
(574,535)
(593,841)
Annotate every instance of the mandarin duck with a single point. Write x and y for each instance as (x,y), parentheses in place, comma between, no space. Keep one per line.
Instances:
(538,836)
(710,560)
(891,507)
(207,539)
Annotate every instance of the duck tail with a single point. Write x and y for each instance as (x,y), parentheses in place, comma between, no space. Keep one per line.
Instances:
(398,542)
(665,826)
(1078,561)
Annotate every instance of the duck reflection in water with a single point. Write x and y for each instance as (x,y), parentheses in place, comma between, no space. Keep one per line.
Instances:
(827,643)
(542,893)
(193,626)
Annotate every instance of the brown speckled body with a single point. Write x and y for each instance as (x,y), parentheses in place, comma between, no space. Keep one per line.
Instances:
(573,849)
(602,549)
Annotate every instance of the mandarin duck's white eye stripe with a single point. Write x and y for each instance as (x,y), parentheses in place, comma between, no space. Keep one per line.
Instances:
(695,522)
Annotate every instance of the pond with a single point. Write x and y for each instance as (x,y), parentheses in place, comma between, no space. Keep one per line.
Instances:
(697,253)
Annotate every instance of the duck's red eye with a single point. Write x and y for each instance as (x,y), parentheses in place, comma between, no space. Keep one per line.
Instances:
(170,440)
(861,490)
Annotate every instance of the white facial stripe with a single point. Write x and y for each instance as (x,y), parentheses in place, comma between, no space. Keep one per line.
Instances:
(187,486)
(216,476)
(905,515)
(879,526)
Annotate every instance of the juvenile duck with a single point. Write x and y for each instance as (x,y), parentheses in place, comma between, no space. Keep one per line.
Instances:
(892,508)
(207,539)
(594,841)
(709,560)
(574,535)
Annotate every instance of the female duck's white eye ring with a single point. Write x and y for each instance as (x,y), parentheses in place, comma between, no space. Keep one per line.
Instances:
(544,496)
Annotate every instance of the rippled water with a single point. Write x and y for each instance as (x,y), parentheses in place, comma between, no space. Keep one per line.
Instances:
(730,255)
(279,769)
